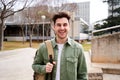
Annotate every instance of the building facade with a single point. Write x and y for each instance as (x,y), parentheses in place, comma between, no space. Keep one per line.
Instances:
(21,25)
(81,19)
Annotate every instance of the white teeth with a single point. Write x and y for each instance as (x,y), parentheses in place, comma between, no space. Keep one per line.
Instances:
(62,31)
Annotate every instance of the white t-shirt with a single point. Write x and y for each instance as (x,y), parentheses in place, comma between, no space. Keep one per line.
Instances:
(60,47)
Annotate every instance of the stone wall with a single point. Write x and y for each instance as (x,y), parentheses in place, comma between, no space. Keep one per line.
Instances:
(106,49)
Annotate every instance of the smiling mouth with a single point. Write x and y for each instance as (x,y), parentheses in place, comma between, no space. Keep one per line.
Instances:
(62,32)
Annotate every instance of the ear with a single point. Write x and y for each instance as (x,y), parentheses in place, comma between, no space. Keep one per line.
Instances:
(53,27)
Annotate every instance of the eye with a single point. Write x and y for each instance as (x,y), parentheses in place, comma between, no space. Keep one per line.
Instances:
(65,24)
(58,25)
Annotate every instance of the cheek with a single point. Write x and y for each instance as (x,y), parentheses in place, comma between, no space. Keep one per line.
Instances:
(68,28)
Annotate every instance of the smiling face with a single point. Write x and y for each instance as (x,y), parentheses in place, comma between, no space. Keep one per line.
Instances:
(61,28)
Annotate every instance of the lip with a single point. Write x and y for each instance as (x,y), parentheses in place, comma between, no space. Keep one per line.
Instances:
(62,32)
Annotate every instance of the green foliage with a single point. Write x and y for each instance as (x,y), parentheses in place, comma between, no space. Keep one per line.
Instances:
(112,20)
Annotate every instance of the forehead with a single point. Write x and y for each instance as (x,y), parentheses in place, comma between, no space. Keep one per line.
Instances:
(62,20)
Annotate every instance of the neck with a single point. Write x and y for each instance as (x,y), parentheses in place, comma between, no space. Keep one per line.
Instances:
(61,41)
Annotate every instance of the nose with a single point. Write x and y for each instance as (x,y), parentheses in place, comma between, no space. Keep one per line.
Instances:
(61,27)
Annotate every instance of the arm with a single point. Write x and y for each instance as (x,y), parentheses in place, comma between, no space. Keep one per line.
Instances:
(38,64)
(82,67)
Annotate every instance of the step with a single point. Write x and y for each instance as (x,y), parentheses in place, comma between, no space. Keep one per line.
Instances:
(111,77)
(108,68)
(94,73)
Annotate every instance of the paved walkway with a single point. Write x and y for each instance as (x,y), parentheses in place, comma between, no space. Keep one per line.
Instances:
(16,64)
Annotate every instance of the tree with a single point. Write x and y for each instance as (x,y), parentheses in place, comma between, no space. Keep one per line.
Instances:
(33,16)
(111,4)
(114,18)
(58,5)
(6,10)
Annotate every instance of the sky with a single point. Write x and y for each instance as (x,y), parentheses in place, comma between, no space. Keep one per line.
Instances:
(98,10)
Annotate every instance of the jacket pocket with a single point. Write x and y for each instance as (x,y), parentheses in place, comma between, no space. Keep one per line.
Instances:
(71,64)
(72,68)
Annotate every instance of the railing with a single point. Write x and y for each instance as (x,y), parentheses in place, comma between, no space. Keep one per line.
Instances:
(104,31)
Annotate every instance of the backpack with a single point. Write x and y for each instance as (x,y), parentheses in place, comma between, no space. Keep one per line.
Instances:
(37,76)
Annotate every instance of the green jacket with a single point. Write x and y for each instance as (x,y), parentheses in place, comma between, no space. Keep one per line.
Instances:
(72,66)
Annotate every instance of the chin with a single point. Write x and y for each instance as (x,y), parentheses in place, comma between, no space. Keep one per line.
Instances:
(63,37)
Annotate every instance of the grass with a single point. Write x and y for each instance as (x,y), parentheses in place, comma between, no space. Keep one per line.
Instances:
(86,46)
(16,45)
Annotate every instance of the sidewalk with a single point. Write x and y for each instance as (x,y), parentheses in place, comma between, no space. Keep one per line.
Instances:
(16,64)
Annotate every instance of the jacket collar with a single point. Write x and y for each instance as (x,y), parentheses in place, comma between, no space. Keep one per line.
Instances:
(69,42)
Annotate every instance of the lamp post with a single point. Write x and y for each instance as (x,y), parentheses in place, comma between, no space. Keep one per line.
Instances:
(43,19)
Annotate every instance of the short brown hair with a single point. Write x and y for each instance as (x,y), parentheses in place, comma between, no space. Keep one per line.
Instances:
(60,15)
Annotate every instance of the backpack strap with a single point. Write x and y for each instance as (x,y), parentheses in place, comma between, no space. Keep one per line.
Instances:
(50,54)
(50,49)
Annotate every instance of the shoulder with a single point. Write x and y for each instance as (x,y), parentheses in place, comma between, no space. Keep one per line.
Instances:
(76,44)
(42,46)
(78,48)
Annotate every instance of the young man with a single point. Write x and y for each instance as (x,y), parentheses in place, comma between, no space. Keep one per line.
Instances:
(69,61)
